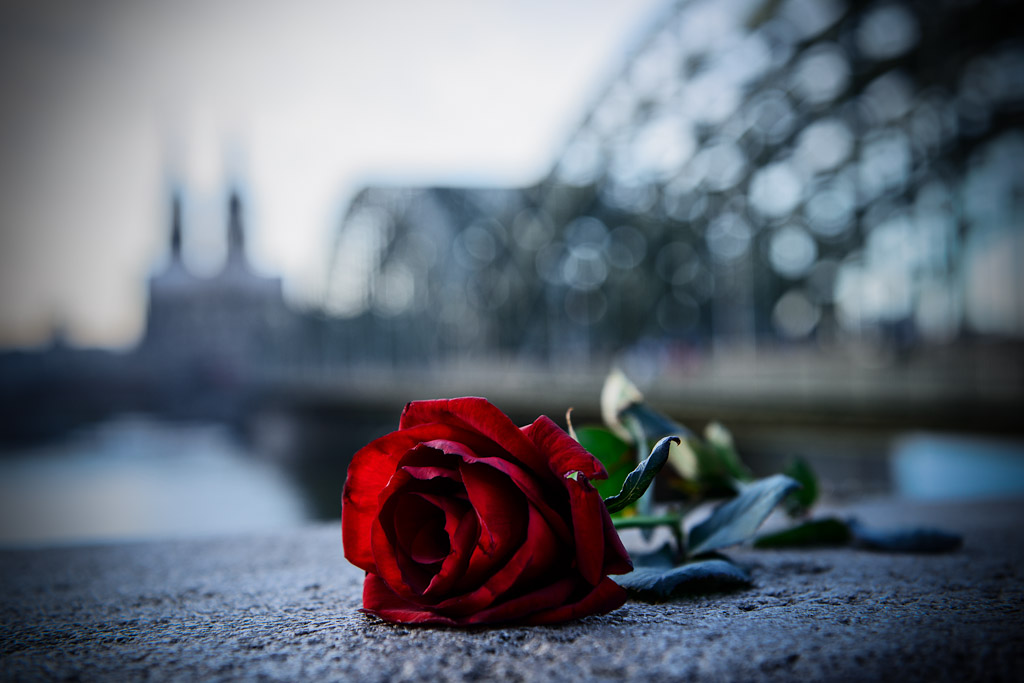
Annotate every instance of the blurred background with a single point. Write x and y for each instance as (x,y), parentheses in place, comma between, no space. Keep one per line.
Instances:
(236,238)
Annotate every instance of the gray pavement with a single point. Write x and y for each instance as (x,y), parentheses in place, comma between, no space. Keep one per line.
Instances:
(283,607)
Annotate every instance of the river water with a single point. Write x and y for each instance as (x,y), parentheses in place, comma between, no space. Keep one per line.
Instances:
(140,478)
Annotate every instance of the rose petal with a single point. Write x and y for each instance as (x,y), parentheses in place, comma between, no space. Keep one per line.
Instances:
(369,472)
(616,559)
(393,560)
(588,528)
(428,473)
(478,415)
(407,505)
(605,597)
(535,556)
(454,566)
(564,453)
(524,481)
(453,508)
(457,513)
(412,517)
(539,600)
(386,561)
(500,508)
(546,549)
(429,463)
(430,546)
(381,601)
(391,557)
(433,542)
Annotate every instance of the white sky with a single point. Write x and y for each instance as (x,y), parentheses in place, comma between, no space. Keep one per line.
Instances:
(105,102)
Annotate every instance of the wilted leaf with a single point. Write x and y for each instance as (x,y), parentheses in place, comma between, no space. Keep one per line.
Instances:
(905,540)
(717,434)
(640,479)
(736,520)
(615,454)
(616,395)
(683,460)
(817,532)
(801,500)
(703,576)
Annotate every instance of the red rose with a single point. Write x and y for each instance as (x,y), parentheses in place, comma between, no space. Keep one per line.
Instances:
(462,518)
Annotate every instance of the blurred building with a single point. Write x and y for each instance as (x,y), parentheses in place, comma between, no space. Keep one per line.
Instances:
(227,323)
(209,346)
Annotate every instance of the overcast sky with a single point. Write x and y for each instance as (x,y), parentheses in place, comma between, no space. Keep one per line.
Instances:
(106,103)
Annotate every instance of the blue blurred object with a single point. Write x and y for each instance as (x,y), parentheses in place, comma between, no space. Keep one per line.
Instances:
(934,467)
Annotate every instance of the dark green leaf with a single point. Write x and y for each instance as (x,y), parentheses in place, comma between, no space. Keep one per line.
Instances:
(654,424)
(646,522)
(704,576)
(817,532)
(801,500)
(719,469)
(736,520)
(640,479)
(615,454)
(713,475)
(906,540)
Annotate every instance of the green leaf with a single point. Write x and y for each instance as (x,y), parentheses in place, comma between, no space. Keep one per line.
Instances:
(801,500)
(615,454)
(817,532)
(712,476)
(738,519)
(727,460)
(906,540)
(640,479)
(646,522)
(713,463)
(704,576)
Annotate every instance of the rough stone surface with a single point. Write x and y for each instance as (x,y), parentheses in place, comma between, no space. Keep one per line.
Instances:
(284,607)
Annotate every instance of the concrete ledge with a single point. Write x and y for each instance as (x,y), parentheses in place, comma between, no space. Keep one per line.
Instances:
(284,607)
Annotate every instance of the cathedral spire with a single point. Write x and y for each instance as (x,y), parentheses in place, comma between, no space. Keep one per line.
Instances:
(176,228)
(236,233)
